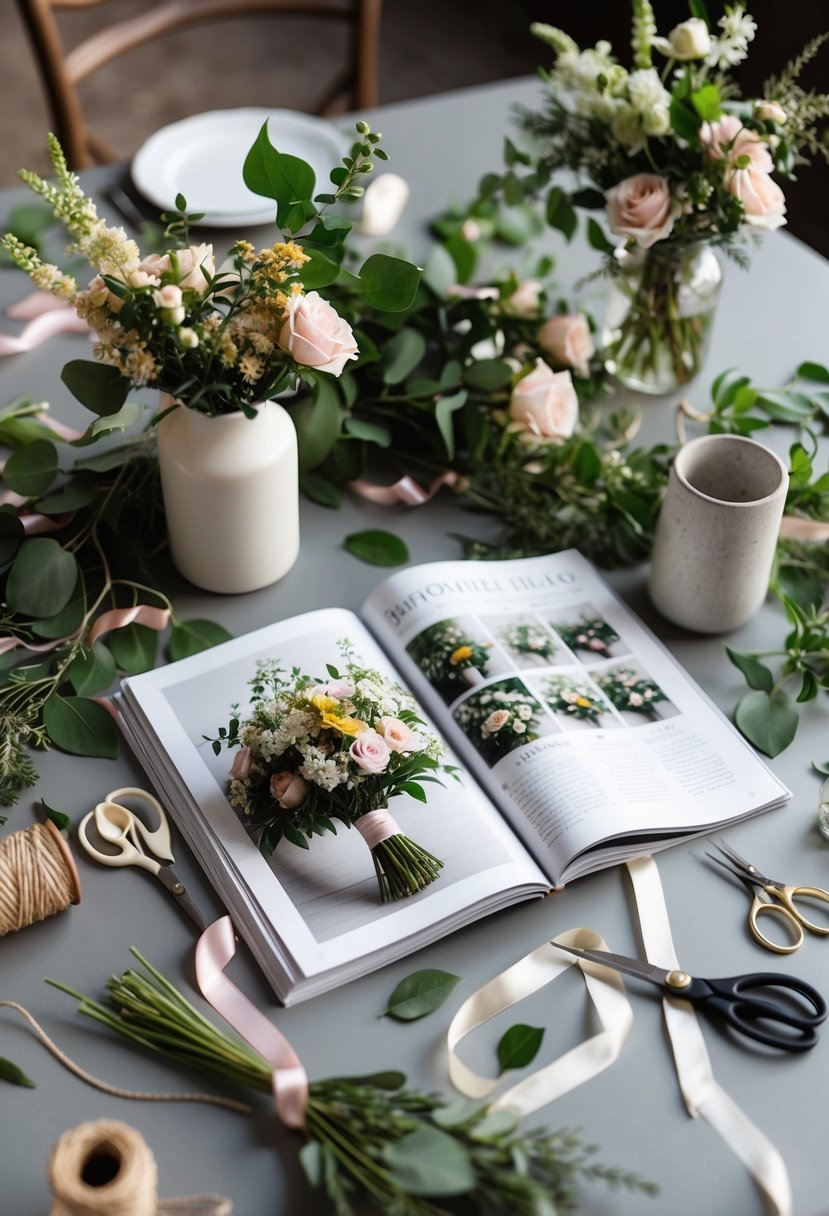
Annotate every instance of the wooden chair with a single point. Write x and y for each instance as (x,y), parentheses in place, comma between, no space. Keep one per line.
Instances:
(63,70)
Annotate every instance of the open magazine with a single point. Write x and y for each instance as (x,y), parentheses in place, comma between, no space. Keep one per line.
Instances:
(581,743)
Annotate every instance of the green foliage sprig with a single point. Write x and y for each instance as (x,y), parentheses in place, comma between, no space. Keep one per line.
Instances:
(371,1143)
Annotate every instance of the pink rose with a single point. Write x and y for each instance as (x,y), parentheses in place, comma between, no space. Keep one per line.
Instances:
(496,720)
(240,768)
(729,139)
(316,336)
(640,208)
(189,266)
(595,644)
(396,735)
(334,688)
(370,752)
(764,203)
(545,402)
(525,301)
(567,339)
(289,789)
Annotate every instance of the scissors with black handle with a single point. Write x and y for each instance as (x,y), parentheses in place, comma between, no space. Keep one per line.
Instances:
(774,900)
(789,1023)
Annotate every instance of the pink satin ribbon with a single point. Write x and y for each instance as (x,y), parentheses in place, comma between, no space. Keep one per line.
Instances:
(406,490)
(48,317)
(792,527)
(376,827)
(214,950)
(117,618)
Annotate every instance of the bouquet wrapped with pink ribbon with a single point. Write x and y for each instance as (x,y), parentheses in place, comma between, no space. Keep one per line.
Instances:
(316,752)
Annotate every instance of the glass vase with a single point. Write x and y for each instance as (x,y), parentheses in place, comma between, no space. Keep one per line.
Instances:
(231,495)
(660,314)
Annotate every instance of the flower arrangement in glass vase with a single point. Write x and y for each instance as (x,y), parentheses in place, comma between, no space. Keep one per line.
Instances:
(450,657)
(630,691)
(525,638)
(572,699)
(681,164)
(314,752)
(500,718)
(590,634)
(223,340)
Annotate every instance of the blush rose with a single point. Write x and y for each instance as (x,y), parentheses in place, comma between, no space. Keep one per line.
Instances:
(370,752)
(567,339)
(316,335)
(640,208)
(240,768)
(545,403)
(289,789)
(396,734)
(190,266)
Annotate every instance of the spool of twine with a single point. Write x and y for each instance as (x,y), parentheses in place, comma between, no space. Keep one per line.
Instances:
(105,1168)
(38,877)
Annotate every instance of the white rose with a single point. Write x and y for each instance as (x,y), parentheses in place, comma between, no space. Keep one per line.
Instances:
(545,402)
(690,39)
(316,335)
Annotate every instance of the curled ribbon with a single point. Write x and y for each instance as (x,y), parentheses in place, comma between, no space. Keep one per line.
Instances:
(792,527)
(576,1066)
(214,950)
(117,618)
(51,321)
(405,490)
(377,826)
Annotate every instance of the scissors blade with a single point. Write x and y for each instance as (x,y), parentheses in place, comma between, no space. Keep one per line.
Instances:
(177,889)
(620,962)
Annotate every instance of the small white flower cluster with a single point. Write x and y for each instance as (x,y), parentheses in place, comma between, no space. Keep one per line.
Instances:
(499,710)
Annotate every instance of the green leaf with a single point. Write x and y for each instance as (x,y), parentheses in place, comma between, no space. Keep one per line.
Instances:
(698,9)
(11,535)
(813,371)
(293,834)
(388,284)
(440,271)
(317,423)
(444,410)
(320,489)
(767,721)
(456,1114)
(62,822)
(127,415)
(81,727)
(488,374)
(823,769)
(809,688)
(684,120)
(430,1162)
(11,1073)
(757,674)
(310,1158)
(319,271)
(560,212)
(420,993)
(286,179)
(65,622)
(596,237)
(401,355)
(519,1046)
(134,647)
(377,547)
(193,636)
(73,496)
(389,1080)
(706,102)
(93,671)
(369,432)
(31,470)
(42,578)
(497,1124)
(98,386)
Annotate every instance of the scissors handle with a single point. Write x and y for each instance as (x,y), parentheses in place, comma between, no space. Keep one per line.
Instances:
(758,1017)
(780,912)
(789,895)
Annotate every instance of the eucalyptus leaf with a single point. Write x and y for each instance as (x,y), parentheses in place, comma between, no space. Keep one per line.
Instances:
(488,374)
(420,993)
(813,371)
(310,1158)
(93,670)
(769,721)
(430,1162)
(73,496)
(42,578)
(377,547)
(444,410)
(193,636)
(519,1046)
(11,535)
(129,413)
(388,284)
(370,432)
(317,423)
(756,673)
(14,1075)
(134,647)
(31,470)
(98,386)
(456,1114)
(401,355)
(65,622)
(286,179)
(81,727)
(496,1125)
(319,489)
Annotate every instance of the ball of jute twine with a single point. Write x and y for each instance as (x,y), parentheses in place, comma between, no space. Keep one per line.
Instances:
(104,1168)
(38,877)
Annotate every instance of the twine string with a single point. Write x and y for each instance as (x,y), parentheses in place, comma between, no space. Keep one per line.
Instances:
(37,877)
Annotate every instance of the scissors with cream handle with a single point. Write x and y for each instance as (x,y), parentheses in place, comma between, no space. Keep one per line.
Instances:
(789,1023)
(773,900)
(137,845)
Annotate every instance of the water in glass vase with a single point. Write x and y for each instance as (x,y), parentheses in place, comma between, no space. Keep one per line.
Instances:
(660,313)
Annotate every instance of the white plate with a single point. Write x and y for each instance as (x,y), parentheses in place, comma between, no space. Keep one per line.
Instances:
(202,158)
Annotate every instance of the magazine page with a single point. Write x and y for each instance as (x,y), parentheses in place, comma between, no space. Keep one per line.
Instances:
(322,903)
(576,720)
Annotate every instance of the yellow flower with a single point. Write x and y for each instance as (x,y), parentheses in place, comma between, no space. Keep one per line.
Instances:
(346,726)
(459,655)
(322,702)
(583,702)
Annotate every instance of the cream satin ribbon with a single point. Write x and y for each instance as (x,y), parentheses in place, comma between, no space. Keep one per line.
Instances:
(542,966)
(701,1093)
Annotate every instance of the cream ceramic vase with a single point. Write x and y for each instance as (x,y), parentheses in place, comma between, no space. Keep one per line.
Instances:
(231,496)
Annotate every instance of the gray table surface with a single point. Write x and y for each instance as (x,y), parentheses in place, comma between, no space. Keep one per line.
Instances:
(770,318)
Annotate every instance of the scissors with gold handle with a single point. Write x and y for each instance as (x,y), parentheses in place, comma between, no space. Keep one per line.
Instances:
(136,844)
(773,900)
